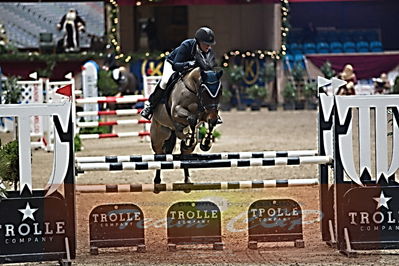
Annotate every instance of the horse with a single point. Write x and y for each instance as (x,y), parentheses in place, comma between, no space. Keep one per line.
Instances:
(193,100)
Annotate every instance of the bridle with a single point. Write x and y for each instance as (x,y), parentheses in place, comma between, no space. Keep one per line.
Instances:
(200,92)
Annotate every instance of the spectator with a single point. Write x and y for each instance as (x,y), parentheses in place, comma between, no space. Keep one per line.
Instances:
(71,23)
(381,84)
(349,76)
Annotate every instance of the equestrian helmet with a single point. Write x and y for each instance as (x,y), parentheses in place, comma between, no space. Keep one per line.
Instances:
(205,35)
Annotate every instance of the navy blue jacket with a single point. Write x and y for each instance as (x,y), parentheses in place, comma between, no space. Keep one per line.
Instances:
(186,52)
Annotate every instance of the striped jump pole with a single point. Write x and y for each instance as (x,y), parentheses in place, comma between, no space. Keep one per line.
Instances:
(186,187)
(81,167)
(109,112)
(112,99)
(115,135)
(209,156)
(113,123)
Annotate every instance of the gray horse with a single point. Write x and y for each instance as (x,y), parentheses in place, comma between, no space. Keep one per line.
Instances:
(193,100)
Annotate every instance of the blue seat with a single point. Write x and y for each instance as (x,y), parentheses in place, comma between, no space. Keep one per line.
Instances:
(309,48)
(362,47)
(349,47)
(336,47)
(295,48)
(289,61)
(376,46)
(299,59)
(322,48)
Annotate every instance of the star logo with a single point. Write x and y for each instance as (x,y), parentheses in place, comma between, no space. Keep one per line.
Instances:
(28,212)
(382,201)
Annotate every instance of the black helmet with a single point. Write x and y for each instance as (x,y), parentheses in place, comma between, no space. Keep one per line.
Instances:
(205,35)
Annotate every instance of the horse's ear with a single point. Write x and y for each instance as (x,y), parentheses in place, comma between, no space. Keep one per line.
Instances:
(219,74)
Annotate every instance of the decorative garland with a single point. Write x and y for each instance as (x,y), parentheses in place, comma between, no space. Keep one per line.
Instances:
(274,55)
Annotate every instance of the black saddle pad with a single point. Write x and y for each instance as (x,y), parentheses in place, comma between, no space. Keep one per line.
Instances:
(170,85)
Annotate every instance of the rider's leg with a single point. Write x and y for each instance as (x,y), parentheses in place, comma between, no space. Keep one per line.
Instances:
(159,91)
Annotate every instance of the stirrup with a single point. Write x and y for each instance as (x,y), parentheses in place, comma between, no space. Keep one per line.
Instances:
(147,112)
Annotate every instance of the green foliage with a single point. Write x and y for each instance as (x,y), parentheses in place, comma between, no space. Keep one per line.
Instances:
(9,165)
(256,92)
(298,72)
(289,92)
(202,132)
(327,70)
(395,88)
(96,130)
(106,84)
(226,95)
(235,74)
(78,143)
(310,90)
(11,90)
(269,73)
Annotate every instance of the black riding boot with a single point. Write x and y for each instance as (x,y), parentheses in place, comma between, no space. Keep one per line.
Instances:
(154,99)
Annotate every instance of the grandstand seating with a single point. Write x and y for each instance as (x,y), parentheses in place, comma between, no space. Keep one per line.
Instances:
(376,46)
(336,47)
(309,48)
(349,47)
(337,41)
(362,47)
(322,48)
(25,21)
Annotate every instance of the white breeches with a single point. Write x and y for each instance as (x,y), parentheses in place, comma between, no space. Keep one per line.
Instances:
(167,72)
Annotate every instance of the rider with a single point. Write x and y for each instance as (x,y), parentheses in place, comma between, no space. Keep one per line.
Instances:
(191,53)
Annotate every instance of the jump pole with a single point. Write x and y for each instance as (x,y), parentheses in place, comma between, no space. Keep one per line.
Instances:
(109,112)
(112,99)
(208,156)
(258,184)
(113,123)
(114,135)
(81,167)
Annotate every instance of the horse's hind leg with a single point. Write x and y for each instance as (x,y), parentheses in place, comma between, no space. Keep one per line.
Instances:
(159,136)
(187,176)
(157,179)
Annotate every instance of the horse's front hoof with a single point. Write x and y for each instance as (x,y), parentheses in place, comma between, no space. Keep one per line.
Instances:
(205,147)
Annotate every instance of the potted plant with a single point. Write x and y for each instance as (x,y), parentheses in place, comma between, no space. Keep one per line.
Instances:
(269,78)
(225,102)
(395,87)
(310,93)
(327,70)
(11,90)
(257,94)
(298,73)
(235,75)
(9,167)
(289,94)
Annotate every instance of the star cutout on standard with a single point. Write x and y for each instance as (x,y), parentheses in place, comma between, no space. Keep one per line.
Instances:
(382,201)
(28,212)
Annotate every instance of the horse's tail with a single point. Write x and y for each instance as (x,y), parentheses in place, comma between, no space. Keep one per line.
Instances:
(170,143)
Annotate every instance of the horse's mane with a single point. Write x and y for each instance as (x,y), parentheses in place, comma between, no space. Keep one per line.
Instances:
(192,78)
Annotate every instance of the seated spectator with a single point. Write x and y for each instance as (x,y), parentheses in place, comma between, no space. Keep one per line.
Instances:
(349,76)
(381,84)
